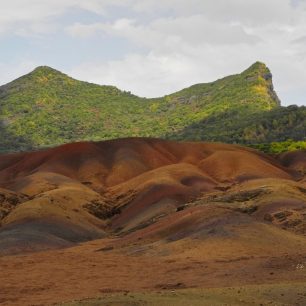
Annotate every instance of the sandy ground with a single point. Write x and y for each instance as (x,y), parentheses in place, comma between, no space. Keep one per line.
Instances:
(277,294)
(87,271)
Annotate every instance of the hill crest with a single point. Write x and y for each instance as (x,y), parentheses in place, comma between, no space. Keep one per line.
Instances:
(43,72)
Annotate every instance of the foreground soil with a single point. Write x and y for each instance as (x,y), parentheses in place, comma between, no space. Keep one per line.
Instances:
(277,294)
(87,271)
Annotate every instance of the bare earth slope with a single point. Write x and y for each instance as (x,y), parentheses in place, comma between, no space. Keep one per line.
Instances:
(143,214)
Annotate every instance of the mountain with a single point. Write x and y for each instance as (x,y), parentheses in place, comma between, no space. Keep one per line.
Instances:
(47,108)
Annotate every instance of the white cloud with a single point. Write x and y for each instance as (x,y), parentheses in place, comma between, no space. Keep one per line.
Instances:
(246,11)
(30,15)
(168,32)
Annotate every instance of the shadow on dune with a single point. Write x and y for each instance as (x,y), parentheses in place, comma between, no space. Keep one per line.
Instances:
(37,235)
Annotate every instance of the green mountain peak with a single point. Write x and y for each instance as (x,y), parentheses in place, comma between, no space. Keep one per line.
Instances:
(258,66)
(45,73)
(45,69)
(258,69)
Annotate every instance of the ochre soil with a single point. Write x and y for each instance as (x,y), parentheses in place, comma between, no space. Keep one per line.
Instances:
(86,219)
(87,271)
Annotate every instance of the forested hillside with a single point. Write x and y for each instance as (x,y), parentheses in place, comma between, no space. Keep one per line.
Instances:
(47,108)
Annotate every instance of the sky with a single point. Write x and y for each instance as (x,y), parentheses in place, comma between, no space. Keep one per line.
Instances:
(153,48)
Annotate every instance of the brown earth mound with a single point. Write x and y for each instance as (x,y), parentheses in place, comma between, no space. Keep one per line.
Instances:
(82,191)
(147,214)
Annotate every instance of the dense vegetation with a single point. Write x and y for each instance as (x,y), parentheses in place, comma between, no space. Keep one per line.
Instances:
(232,126)
(47,107)
(280,147)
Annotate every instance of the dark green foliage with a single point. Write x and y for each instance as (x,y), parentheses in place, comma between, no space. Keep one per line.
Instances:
(12,142)
(47,108)
(232,126)
(280,147)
